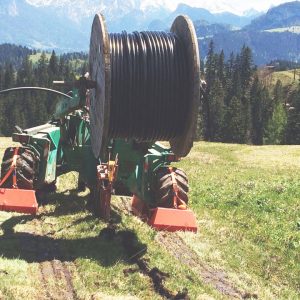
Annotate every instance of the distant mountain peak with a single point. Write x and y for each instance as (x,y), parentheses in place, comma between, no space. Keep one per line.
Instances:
(66,24)
(251,13)
(284,15)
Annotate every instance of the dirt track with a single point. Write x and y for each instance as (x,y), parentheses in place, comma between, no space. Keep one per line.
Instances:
(55,274)
(218,279)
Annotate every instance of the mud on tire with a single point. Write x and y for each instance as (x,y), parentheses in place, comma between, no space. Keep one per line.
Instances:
(26,167)
(164,191)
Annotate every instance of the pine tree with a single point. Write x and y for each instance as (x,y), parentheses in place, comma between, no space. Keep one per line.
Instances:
(276,126)
(268,107)
(221,68)
(216,104)
(61,65)
(246,68)
(293,120)
(25,75)
(278,92)
(233,121)
(9,77)
(246,114)
(235,88)
(53,67)
(230,65)
(42,70)
(210,70)
(210,65)
(256,112)
(42,75)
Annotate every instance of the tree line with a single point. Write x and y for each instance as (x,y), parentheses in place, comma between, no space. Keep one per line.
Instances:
(12,54)
(27,109)
(238,108)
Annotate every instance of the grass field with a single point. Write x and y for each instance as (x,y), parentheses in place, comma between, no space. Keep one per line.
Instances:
(76,64)
(247,202)
(286,77)
(35,57)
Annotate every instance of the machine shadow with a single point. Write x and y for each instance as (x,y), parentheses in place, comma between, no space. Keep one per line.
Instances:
(66,203)
(107,248)
(69,204)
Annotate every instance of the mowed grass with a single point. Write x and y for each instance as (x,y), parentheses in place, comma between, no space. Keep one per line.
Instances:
(98,262)
(247,202)
(286,77)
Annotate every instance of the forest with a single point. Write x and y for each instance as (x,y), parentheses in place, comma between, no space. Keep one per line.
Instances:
(28,109)
(237,106)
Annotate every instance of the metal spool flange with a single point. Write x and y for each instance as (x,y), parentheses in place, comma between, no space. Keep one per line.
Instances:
(99,65)
(183,27)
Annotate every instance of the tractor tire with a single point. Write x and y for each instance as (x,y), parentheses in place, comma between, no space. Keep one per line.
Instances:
(26,167)
(164,187)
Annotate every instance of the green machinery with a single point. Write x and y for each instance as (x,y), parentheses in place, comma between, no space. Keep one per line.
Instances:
(82,133)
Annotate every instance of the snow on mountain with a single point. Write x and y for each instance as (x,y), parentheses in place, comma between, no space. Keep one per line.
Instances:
(112,8)
(66,24)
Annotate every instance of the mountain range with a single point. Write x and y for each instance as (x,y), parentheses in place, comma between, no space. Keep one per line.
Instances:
(64,25)
(271,36)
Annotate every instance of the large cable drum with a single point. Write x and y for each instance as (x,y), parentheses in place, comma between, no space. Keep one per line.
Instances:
(147,85)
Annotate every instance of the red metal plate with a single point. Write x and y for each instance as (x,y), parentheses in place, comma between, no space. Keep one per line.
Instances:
(21,201)
(169,219)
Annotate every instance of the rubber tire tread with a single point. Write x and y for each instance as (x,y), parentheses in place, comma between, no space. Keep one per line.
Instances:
(26,163)
(164,187)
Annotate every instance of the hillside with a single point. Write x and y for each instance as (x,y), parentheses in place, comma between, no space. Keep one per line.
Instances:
(247,204)
(65,25)
(289,77)
(271,36)
(266,46)
(12,54)
(284,15)
(213,18)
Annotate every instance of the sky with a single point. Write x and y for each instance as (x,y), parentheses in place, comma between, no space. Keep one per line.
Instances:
(237,6)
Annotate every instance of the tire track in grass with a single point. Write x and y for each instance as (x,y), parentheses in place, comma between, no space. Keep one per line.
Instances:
(55,277)
(218,279)
(176,246)
(135,252)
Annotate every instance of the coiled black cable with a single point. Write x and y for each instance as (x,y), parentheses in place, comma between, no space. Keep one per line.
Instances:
(149,86)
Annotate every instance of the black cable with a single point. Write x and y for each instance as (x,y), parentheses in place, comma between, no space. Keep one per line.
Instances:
(150,85)
(34,88)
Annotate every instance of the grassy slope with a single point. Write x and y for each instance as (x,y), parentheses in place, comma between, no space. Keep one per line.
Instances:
(286,77)
(247,200)
(35,57)
(75,63)
(247,204)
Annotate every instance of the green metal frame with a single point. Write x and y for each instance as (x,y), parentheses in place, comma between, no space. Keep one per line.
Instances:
(137,167)
(65,145)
